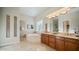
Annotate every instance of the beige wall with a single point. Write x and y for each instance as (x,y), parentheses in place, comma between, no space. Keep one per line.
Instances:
(28,21)
(1,34)
(12,12)
(72,17)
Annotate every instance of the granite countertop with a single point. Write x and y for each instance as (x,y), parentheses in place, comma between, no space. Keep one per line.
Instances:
(63,35)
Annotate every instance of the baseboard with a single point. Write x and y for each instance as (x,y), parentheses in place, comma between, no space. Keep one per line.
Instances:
(7,44)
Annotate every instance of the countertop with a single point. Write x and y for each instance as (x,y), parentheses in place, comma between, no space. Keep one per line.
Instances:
(63,35)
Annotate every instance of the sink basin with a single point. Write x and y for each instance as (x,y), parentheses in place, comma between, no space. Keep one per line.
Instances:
(55,33)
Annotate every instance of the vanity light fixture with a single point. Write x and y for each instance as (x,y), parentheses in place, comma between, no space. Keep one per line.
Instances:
(59,12)
(63,12)
(53,16)
(49,17)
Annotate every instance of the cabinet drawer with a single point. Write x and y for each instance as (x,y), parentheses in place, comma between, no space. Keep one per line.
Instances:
(51,36)
(60,38)
(71,40)
(44,34)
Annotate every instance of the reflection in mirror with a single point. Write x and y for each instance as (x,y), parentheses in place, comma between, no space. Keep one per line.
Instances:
(46,28)
(66,26)
(52,25)
(55,24)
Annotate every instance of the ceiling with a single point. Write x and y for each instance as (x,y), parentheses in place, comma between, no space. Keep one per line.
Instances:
(33,11)
(36,11)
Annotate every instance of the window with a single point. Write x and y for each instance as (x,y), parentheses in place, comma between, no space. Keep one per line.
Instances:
(7,26)
(39,26)
(15,26)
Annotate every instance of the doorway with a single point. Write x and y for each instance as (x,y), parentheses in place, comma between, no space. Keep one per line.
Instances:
(22,30)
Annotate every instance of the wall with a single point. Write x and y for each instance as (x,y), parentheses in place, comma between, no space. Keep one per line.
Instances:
(1,34)
(28,21)
(72,17)
(45,19)
(12,12)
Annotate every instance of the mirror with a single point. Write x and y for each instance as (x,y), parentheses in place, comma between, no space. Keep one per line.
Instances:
(46,28)
(55,24)
(52,25)
(66,26)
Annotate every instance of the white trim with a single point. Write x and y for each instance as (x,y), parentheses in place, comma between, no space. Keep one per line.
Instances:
(6,44)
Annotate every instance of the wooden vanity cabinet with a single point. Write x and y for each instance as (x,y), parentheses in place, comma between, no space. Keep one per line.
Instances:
(44,39)
(71,44)
(78,47)
(60,44)
(52,41)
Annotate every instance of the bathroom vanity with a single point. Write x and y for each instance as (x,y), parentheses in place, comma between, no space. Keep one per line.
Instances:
(61,42)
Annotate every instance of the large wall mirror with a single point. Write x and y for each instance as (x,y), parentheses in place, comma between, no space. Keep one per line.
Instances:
(55,24)
(7,26)
(15,26)
(52,25)
(66,26)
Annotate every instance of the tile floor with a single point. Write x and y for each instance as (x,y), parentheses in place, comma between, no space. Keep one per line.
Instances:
(32,43)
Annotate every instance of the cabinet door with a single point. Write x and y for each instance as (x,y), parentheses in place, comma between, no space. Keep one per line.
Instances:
(77,47)
(70,46)
(60,44)
(52,41)
(44,38)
